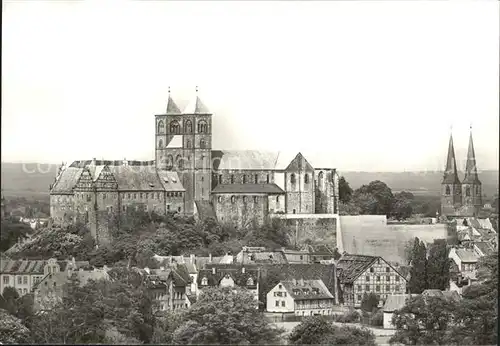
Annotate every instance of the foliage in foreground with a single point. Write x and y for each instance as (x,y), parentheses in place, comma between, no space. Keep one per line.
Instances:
(225,316)
(319,330)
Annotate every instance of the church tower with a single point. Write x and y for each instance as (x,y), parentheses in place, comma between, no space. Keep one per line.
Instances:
(196,173)
(451,191)
(471,185)
(168,126)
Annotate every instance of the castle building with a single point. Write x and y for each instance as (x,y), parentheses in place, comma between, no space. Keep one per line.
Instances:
(461,198)
(244,188)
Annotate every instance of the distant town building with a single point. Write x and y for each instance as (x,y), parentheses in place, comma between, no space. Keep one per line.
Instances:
(23,275)
(230,276)
(360,274)
(51,288)
(300,297)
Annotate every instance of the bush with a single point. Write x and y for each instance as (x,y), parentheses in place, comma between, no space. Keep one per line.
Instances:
(377,319)
(351,316)
(369,302)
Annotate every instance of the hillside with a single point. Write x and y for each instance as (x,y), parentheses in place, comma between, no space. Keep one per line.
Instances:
(33,180)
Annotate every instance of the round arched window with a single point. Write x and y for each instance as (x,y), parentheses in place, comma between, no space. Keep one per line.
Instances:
(233,199)
(245,199)
(219,199)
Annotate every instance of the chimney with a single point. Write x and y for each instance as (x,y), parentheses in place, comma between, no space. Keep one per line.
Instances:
(210,258)
(73,261)
(301,282)
(93,161)
(213,270)
(243,270)
(192,257)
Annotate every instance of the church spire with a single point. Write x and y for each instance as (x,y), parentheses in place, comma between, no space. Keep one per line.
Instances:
(471,176)
(450,172)
(172,107)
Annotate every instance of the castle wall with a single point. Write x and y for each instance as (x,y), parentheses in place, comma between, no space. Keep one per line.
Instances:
(300,192)
(152,201)
(241,210)
(276,203)
(62,208)
(314,228)
(326,186)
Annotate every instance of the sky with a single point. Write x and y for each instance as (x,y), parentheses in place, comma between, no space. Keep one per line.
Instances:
(373,86)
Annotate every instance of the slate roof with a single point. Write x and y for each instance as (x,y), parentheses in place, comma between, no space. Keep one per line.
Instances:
(170,181)
(305,289)
(234,271)
(396,301)
(15,267)
(248,188)
(349,267)
(172,107)
(195,106)
(140,178)
(85,163)
(467,255)
(67,180)
(264,257)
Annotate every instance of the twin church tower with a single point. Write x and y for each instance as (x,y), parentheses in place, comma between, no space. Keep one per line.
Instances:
(461,198)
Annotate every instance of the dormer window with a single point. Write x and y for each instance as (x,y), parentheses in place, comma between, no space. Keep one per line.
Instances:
(204,281)
(250,282)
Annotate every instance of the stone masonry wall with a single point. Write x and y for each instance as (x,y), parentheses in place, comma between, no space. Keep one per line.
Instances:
(241,210)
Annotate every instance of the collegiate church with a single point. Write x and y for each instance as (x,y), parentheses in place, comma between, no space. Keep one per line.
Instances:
(189,177)
(461,198)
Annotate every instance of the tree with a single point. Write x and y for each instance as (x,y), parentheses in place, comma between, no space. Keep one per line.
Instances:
(409,249)
(86,313)
(476,319)
(12,330)
(345,191)
(369,302)
(12,230)
(402,205)
(418,270)
(438,266)
(424,321)
(374,198)
(225,316)
(318,330)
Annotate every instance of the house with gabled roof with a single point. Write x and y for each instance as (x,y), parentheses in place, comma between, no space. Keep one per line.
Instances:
(358,274)
(170,286)
(300,297)
(236,275)
(23,275)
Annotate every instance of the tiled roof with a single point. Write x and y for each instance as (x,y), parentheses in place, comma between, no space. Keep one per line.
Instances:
(85,163)
(170,181)
(320,250)
(67,180)
(307,289)
(22,267)
(137,178)
(467,255)
(396,301)
(484,247)
(433,293)
(201,261)
(276,257)
(235,272)
(349,267)
(248,188)
(195,106)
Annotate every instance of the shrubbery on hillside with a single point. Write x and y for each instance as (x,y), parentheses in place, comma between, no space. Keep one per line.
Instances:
(142,235)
